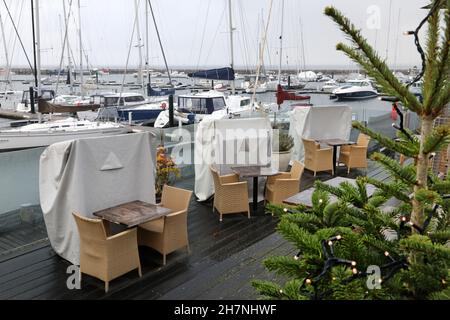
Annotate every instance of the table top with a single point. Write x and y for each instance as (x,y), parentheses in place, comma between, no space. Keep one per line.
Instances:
(335,142)
(305,196)
(133,213)
(255,171)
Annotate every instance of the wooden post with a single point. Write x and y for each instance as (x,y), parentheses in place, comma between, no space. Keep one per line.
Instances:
(171,120)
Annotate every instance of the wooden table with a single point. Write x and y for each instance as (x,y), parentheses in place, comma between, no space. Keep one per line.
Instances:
(132,214)
(305,196)
(335,143)
(255,172)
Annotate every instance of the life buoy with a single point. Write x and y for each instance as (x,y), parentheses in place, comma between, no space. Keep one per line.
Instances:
(163,106)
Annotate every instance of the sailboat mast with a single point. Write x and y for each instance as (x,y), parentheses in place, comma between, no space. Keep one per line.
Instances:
(230,19)
(139,43)
(6,50)
(281,42)
(81,48)
(69,59)
(147,49)
(38,48)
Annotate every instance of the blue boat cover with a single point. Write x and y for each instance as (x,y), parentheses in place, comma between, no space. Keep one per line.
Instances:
(214,74)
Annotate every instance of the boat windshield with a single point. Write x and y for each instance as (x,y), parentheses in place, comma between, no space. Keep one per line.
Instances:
(113,101)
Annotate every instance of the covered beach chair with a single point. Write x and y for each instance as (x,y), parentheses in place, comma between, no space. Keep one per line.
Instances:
(169,233)
(105,256)
(231,195)
(355,156)
(285,184)
(317,159)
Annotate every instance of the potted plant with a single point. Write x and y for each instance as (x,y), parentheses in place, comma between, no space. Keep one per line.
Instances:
(166,170)
(282,150)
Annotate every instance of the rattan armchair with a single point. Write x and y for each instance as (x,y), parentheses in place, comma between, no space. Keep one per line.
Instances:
(169,233)
(231,195)
(355,156)
(106,257)
(285,184)
(317,159)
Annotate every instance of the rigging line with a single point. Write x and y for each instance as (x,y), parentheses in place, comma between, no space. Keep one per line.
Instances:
(258,70)
(203,34)
(215,34)
(160,43)
(389,30)
(18,35)
(244,36)
(63,46)
(128,59)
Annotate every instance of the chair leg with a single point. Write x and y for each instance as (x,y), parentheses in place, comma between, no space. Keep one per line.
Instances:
(188,248)
(106,286)
(140,271)
(164,259)
(220,219)
(248,214)
(314,173)
(348,170)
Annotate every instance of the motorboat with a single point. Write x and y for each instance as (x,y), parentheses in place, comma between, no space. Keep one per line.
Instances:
(355,90)
(192,108)
(47,133)
(329,86)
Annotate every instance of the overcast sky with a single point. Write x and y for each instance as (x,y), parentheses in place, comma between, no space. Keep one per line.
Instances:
(195,32)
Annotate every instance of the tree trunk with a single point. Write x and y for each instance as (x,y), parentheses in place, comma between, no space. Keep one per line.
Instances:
(422,170)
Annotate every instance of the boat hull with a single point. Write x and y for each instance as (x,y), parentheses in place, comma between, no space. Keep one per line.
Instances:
(139,115)
(355,95)
(26,140)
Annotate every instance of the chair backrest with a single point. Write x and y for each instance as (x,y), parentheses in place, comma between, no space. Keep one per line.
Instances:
(297,170)
(310,147)
(363,140)
(90,229)
(175,198)
(216,177)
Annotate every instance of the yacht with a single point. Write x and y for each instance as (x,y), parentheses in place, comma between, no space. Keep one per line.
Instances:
(192,108)
(130,106)
(355,90)
(44,134)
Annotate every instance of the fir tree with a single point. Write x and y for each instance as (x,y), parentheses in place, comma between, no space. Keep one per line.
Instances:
(342,242)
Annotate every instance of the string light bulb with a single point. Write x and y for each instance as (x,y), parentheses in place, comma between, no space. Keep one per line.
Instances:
(355,271)
(353,263)
(338,237)
(386,254)
(281,291)
(308,281)
(330,243)
(296,257)
(285,209)
(403,219)
(320,200)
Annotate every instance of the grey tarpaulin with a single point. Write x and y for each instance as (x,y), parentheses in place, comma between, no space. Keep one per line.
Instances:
(88,175)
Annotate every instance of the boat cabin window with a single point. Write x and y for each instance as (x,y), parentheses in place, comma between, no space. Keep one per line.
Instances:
(113,101)
(201,105)
(134,99)
(245,102)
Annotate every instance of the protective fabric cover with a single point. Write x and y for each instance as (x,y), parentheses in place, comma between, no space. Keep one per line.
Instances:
(88,175)
(328,122)
(228,142)
(214,74)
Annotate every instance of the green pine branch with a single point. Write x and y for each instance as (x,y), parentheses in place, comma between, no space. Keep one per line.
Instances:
(437,140)
(407,173)
(405,147)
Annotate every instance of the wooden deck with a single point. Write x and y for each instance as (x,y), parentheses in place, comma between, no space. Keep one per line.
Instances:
(225,257)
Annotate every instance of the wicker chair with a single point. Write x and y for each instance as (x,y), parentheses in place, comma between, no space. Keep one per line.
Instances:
(355,156)
(285,184)
(169,233)
(317,159)
(106,257)
(231,196)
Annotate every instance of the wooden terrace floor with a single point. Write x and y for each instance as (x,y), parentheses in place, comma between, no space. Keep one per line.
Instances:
(225,257)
